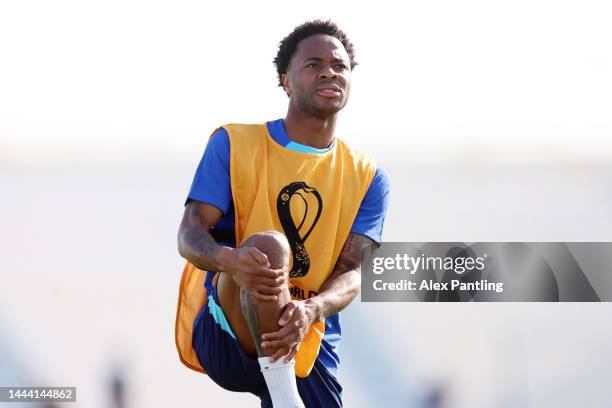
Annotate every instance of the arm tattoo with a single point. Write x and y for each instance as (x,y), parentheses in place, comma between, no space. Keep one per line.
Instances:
(198,244)
(350,256)
(343,284)
(207,247)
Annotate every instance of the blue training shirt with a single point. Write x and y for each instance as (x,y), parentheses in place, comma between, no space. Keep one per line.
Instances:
(211,184)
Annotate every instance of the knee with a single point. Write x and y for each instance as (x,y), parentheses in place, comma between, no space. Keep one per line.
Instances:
(273,244)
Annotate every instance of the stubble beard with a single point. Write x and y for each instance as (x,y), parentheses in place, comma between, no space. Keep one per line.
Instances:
(309,106)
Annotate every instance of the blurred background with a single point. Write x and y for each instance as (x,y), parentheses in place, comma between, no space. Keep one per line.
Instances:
(493,120)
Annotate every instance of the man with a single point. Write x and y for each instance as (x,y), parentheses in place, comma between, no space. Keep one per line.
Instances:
(301,206)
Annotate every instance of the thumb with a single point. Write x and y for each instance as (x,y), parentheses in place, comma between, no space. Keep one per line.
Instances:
(287,314)
(259,256)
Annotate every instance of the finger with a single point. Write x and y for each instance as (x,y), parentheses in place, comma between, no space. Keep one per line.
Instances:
(273,283)
(259,256)
(265,272)
(281,271)
(291,354)
(279,334)
(267,290)
(279,353)
(274,344)
(286,316)
(265,298)
(280,338)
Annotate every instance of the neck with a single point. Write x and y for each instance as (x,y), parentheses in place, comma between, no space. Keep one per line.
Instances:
(310,130)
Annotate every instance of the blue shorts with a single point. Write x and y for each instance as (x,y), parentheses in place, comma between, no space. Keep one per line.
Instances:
(227,365)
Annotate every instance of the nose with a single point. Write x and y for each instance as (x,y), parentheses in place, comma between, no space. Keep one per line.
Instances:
(327,72)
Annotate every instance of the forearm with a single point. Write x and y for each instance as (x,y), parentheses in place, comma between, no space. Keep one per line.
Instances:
(343,284)
(196,244)
(335,294)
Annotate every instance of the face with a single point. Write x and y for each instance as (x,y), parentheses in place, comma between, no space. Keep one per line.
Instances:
(318,78)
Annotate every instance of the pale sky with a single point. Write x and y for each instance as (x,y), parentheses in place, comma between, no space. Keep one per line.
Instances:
(438,81)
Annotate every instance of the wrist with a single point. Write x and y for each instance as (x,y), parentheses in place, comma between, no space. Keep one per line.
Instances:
(224,258)
(313,310)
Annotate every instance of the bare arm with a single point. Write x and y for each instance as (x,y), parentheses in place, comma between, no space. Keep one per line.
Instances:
(343,284)
(335,294)
(248,265)
(195,243)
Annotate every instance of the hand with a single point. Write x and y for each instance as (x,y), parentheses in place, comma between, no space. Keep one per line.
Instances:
(251,271)
(295,321)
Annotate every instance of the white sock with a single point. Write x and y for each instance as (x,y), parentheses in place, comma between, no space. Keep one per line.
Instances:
(280,379)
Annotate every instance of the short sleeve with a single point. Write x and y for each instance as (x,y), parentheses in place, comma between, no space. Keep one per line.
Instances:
(211,183)
(373,210)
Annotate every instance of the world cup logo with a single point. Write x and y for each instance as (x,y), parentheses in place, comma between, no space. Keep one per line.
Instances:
(286,202)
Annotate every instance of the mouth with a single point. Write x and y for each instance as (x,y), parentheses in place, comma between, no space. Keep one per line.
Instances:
(329,92)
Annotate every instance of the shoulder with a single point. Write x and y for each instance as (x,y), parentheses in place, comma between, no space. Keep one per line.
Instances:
(237,129)
(373,208)
(218,139)
(217,150)
(381,181)
(348,149)
(377,195)
(360,160)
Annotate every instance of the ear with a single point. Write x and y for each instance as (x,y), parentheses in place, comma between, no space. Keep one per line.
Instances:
(286,85)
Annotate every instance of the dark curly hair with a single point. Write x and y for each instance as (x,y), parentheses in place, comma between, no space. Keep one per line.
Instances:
(288,45)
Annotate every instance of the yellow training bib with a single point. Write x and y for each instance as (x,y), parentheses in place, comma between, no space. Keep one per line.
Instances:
(311,198)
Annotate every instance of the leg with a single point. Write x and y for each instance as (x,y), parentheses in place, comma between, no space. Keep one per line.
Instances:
(261,316)
(220,354)
(249,317)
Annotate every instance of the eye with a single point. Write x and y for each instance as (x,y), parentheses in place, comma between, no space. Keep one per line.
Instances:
(341,66)
(312,65)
